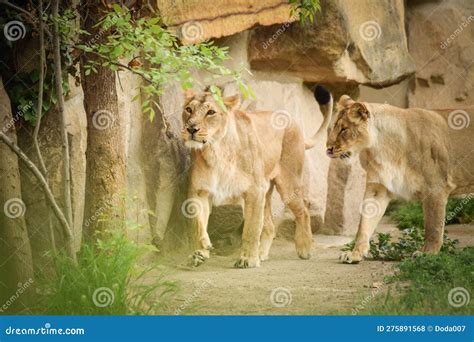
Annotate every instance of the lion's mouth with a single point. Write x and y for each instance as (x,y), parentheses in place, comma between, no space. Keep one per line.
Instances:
(331,153)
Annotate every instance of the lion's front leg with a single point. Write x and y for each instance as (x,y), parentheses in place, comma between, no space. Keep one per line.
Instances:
(434,210)
(253,224)
(200,201)
(372,209)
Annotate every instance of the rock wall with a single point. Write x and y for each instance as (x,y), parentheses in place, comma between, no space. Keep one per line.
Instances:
(440,41)
(358,49)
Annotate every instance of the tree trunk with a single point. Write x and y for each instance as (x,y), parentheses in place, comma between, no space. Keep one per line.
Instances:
(16,263)
(105,155)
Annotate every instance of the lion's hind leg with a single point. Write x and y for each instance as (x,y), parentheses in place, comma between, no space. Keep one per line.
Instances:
(291,193)
(268,232)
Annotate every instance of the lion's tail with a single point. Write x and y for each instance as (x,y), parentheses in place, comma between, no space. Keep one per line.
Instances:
(324,98)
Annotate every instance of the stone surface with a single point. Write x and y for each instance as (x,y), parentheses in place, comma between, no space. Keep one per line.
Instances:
(196,20)
(348,44)
(441,36)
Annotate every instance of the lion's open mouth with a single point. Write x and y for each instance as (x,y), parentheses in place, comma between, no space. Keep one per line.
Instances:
(337,154)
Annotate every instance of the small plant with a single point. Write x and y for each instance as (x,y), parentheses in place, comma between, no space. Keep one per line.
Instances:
(107,280)
(156,54)
(409,218)
(431,284)
(306,10)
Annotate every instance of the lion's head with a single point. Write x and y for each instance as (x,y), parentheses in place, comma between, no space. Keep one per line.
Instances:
(350,132)
(204,121)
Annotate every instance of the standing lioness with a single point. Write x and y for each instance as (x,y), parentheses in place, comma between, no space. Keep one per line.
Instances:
(407,153)
(239,155)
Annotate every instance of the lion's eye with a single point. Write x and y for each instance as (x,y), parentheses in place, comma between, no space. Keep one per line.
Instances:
(343,130)
(210,112)
(189,110)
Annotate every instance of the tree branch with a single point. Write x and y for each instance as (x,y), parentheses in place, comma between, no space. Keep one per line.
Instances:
(49,195)
(39,109)
(59,93)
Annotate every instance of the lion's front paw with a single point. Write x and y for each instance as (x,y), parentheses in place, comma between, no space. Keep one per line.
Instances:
(199,257)
(351,257)
(245,262)
(304,253)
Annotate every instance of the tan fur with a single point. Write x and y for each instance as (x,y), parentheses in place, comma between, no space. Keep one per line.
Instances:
(240,155)
(407,153)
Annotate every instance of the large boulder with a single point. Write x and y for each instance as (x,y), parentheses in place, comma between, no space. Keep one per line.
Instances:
(197,20)
(348,44)
(440,41)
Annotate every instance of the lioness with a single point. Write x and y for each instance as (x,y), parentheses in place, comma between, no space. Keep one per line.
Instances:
(240,155)
(407,153)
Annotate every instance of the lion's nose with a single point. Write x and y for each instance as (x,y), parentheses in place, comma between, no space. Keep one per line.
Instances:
(330,151)
(192,130)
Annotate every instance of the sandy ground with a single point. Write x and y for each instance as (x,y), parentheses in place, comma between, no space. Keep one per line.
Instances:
(284,284)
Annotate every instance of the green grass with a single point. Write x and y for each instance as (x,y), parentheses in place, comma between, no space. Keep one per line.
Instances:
(410,214)
(409,218)
(107,280)
(423,285)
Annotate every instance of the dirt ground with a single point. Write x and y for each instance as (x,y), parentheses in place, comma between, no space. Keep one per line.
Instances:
(285,284)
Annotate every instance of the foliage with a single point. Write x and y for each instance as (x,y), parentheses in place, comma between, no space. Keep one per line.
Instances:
(409,218)
(306,10)
(22,88)
(423,285)
(457,211)
(107,268)
(154,53)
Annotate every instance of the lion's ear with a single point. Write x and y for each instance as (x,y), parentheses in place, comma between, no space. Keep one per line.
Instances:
(232,102)
(189,95)
(358,111)
(344,101)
